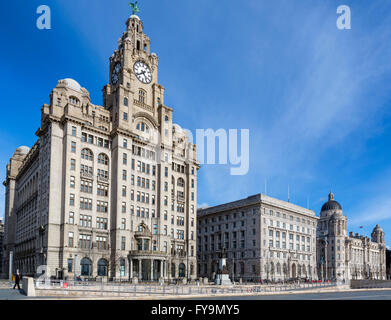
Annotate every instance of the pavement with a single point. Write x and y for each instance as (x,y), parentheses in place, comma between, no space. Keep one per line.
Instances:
(10,294)
(7,293)
(367,294)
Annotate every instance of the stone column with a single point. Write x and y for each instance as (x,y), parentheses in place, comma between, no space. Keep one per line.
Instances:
(139,269)
(131,268)
(152,269)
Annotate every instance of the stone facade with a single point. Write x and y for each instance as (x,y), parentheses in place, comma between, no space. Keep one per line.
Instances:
(106,190)
(1,245)
(345,257)
(265,238)
(388,264)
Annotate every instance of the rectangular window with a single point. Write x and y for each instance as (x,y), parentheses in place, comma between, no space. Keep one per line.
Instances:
(72,199)
(74,131)
(73,147)
(70,242)
(125,143)
(70,265)
(123,207)
(123,243)
(71,218)
(72,182)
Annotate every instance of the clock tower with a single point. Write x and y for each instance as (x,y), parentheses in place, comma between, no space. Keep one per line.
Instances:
(134,90)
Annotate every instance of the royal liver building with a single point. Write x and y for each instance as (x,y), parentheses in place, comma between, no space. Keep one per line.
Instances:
(343,256)
(106,190)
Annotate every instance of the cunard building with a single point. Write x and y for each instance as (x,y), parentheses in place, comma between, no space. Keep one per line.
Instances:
(106,190)
(264,239)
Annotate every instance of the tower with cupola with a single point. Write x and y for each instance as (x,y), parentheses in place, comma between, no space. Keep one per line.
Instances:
(134,89)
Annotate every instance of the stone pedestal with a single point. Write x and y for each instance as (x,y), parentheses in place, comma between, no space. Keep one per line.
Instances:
(184,281)
(223,280)
(28,286)
(135,280)
(206,280)
(222,276)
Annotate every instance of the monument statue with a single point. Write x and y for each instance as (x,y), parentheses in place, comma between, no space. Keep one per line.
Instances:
(222,276)
(135,8)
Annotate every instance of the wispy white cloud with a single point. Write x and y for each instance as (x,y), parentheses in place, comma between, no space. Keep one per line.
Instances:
(202,205)
(326,79)
(375,211)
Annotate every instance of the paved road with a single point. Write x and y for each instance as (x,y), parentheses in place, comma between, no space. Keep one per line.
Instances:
(351,295)
(10,294)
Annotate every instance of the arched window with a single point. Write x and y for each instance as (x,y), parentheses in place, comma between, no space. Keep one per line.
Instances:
(103,159)
(141,126)
(102,268)
(181,182)
(142,96)
(140,228)
(182,270)
(87,154)
(272,268)
(126,102)
(74,100)
(86,269)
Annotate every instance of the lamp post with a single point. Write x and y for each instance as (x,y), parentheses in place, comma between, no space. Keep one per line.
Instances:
(233,267)
(10,265)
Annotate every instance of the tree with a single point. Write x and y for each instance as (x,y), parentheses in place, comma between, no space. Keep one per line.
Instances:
(115,263)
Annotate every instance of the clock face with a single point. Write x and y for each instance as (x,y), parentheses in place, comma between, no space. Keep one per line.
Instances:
(142,71)
(115,73)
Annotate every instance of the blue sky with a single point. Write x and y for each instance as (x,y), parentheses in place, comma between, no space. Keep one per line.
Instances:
(315,99)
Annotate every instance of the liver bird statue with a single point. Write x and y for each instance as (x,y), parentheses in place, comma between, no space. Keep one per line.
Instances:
(134,6)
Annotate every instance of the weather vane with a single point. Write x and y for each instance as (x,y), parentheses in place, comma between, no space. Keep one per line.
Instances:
(134,7)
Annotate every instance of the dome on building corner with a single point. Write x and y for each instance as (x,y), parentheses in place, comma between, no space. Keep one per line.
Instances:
(135,17)
(331,204)
(22,151)
(69,83)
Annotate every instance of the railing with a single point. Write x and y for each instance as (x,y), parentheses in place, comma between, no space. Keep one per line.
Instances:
(145,289)
(143,105)
(147,252)
(103,179)
(87,175)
